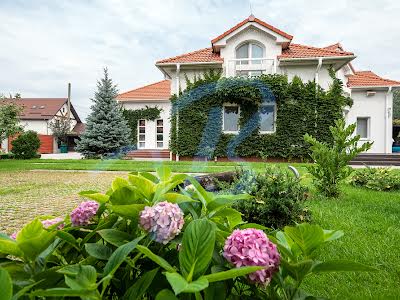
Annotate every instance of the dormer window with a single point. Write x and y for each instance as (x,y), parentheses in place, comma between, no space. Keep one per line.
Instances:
(248,52)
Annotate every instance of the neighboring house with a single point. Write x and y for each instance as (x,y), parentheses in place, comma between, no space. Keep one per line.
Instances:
(254,47)
(38,113)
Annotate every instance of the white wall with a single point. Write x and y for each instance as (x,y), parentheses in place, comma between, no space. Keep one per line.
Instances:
(307,73)
(40,126)
(151,125)
(373,107)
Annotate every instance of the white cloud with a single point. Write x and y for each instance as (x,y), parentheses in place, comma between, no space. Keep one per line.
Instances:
(46,44)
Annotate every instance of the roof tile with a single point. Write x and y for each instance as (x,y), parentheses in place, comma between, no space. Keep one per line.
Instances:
(202,55)
(156,91)
(303,51)
(369,79)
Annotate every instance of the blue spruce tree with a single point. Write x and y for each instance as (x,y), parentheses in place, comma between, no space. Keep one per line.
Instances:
(106,130)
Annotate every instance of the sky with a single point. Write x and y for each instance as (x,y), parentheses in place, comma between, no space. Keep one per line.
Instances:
(46,44)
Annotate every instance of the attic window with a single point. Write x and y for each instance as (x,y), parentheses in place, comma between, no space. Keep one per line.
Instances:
(248,52)
(42,107)
(34,107)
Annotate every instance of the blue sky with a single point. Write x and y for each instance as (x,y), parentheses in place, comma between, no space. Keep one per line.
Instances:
(46,44)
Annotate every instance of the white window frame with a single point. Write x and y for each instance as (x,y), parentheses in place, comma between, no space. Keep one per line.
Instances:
(275,110)
(250,51)
(138,134)
(368,127)
(223,119)
(159,133)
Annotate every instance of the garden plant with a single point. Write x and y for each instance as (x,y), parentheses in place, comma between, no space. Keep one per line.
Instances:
(149,238)
(379,179)
(26,145)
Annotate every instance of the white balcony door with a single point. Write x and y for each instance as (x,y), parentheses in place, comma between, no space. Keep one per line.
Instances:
(151,134)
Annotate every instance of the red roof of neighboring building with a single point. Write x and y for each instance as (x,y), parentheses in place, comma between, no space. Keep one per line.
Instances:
(251,18)
(303,51)
(156,91)
(369,79)
(40,108)
(202,55)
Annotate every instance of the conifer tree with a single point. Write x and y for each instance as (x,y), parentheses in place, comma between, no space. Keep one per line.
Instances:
(106,130)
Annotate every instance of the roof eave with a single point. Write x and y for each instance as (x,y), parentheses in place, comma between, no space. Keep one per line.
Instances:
(364,87)
(290,59)
(168,64)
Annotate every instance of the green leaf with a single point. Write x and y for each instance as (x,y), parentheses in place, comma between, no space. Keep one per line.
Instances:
(221,201)
(85,279)
(143,185)
(9,246)
(62,292)
(197,247)
(341,266)
(6,286)
(96,196)
(154,257)
(252,225)
(98,251)
(230,274)
(149,176)
(69,238)
(166,294)
(204,196)
(119,256)
(115,237)
(297,270)
(130,211)
(331,235)
(124,196)
(119,183)
(24,290)
(180,285)
(33,239)
(164,173)
(177,198)
(216,290)
(233,217)
(137,290)
(307,237)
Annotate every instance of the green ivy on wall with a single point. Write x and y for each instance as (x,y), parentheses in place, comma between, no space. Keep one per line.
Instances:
(133,116)
(196,121)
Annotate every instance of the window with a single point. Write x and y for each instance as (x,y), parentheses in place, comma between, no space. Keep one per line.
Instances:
(249,50)
(160,133)
(231,118)
(363,127)
(249,73)
(142,133)
(267,118)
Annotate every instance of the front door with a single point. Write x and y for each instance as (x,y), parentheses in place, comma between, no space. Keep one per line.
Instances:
(151,134)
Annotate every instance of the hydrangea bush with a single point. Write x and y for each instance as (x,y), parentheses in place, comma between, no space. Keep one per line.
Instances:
(149,238)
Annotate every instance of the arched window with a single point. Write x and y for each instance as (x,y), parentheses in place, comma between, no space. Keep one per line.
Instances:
(250,50)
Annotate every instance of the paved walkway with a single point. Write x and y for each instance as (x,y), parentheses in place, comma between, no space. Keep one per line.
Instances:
(69,155)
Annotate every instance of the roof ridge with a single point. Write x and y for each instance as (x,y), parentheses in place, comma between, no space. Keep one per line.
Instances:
(182,55)
(142,87)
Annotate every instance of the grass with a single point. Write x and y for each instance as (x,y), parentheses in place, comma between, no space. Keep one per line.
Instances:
(369,219)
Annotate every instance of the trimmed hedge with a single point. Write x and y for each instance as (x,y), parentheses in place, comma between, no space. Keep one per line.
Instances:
(196,119)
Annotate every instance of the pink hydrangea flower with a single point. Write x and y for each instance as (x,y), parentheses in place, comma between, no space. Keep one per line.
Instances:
(49,222)
(83,214)
(163,221)
(14,235)
(251,247)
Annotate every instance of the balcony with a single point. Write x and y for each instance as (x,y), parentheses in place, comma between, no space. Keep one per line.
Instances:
(250,67)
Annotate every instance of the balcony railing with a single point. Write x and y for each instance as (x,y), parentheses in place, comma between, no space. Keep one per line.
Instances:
(250,66)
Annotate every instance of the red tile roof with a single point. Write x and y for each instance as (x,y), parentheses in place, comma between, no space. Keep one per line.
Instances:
(369,79)
(156,91)
(202,55)
(303,51)
(334,47)
(251,18)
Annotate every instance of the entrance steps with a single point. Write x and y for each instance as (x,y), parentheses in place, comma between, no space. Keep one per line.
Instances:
(148,154)
(377,160)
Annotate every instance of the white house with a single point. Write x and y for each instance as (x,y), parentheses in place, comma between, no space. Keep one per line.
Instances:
(37,115)
(254,47)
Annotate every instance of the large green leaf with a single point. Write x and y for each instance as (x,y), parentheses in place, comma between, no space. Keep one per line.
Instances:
(307,237)
(115,237)
(9,246)
(85,279)
(98,251)
(216,290)
(143,185)
(96,196)
(233,217)
(33,239)
(164,172)
(331,235)
(297,270)
(118,183)
(124,196)
(119,256)
(197,248)
(230,274)
(64,292)
(6,287)
(150,177)
(180,285)
(154,257)
(341,266)
(204,196)
(166,294)
(178,198)
(137,290)
(130,211)
(221,201)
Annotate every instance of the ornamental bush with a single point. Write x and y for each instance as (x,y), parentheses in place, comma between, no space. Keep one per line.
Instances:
(378,179)
(278,197)
(26,145)
(145,240)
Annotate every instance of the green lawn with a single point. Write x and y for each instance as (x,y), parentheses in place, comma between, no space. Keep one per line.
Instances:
(370,220)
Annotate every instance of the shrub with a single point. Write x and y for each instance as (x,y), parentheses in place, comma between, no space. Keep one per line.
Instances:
(379,179)
(132,245)
(331,161)
(278,197)
(26,145)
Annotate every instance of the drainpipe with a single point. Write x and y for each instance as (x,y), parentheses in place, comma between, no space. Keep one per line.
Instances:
(387,116)
(178,69)
(317,70)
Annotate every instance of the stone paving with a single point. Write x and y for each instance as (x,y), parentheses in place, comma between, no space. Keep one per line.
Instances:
(25,195)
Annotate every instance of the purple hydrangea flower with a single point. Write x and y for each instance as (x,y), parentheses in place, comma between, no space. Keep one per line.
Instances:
(14,235)
(83,214)
(251,247)
(163,221)
(49,222)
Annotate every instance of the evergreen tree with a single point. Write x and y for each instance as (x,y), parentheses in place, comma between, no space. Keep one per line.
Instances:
(106,130)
